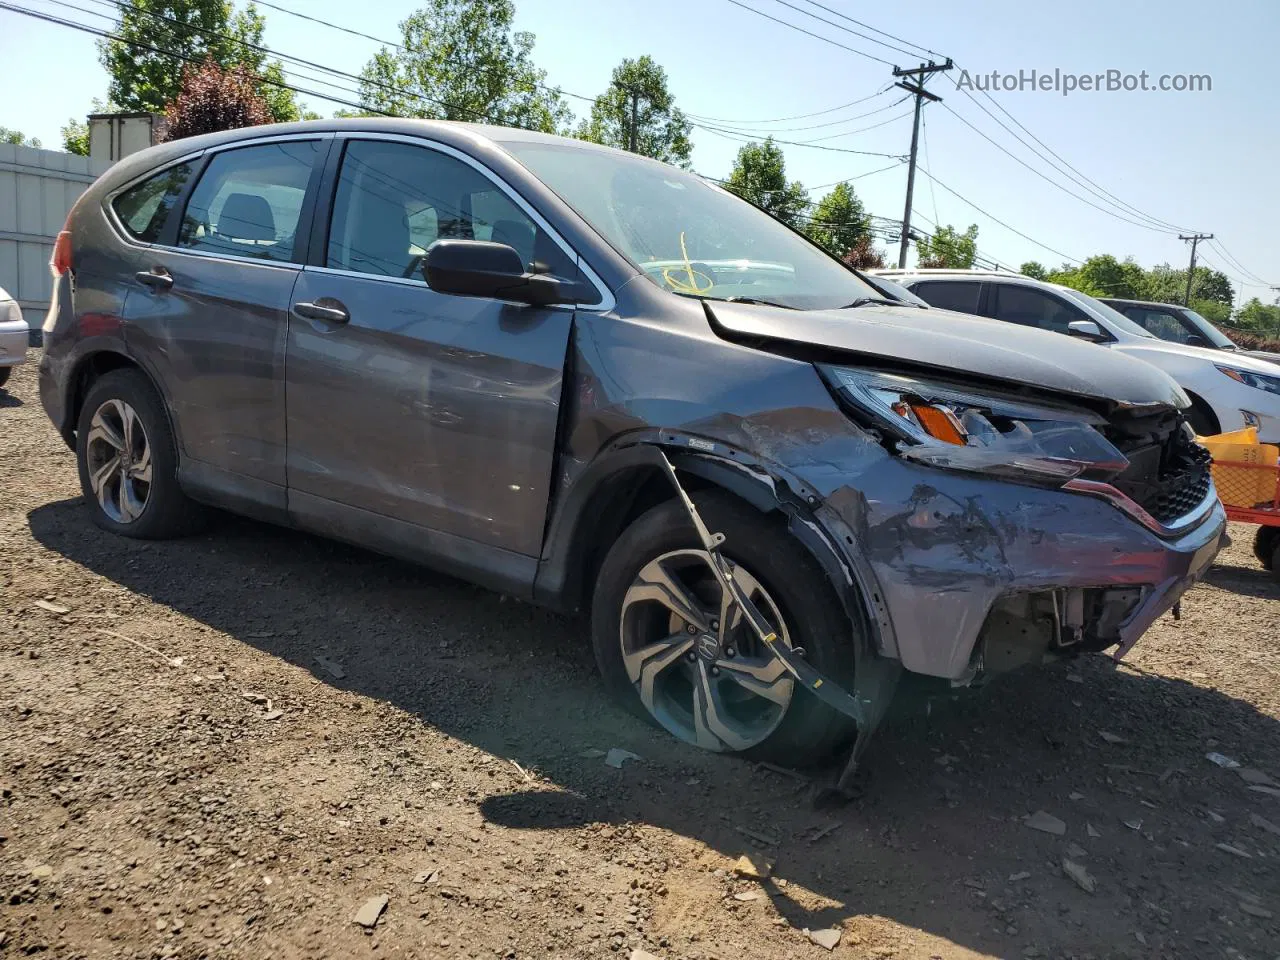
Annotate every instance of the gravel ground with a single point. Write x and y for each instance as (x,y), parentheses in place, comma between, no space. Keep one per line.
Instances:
(226,746)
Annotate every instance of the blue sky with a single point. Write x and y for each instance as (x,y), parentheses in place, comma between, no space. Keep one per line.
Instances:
(1202,160)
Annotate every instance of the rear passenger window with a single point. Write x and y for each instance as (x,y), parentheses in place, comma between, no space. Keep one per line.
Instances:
(144,208)
(394,200)
(248,201)
(949,295)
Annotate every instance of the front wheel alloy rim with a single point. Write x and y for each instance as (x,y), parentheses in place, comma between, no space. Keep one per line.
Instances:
(118,456)
(693,659)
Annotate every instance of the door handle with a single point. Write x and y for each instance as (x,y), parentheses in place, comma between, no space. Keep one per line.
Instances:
(326,309)
(157,281)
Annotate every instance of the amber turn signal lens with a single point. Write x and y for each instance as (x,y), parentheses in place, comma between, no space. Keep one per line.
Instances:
(939,423)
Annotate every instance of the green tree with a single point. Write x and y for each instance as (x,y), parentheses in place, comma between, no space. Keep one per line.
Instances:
(839,221)
(1105,276)
(1213,311)
(1259,317)
(760,176)
(1168,285)
(75,137)
(461,60)
(17,137)
(189,31)
(948,248)
(1034,270)
(638,113)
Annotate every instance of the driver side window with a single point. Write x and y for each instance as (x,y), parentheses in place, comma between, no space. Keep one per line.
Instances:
(1160,323)
(394,200)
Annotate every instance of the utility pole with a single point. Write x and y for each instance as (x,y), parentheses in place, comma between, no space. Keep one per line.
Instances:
(635,120)
(922,72)
(1191,271)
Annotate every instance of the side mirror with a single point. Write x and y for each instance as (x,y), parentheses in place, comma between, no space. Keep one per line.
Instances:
(1086,330)
(478,268)
(1195,340)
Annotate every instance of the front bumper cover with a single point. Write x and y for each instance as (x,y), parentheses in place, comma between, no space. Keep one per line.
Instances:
(943,548)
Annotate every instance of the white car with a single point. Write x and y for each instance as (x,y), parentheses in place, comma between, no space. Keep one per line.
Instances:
(13,336)
(1228,391)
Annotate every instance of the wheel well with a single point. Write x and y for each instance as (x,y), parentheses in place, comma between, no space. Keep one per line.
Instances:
(1199,404)
(87,371)
(614,506)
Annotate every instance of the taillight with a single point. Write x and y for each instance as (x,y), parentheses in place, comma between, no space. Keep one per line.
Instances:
(61,262)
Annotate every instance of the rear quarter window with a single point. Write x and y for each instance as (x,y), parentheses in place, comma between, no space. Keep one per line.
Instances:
(144,208)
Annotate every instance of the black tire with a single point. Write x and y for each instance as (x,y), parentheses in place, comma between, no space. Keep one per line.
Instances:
(5,372)
(1202,418)
(167,511)
(1266,547)
(810,731)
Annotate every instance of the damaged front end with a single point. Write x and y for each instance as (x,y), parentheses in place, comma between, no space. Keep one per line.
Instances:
(1140,460)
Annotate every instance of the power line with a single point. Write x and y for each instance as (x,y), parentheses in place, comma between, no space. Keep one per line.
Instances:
(108,35)
(849,133)
(1080,178)
(989,216)
(816,36)
(868,26)
(859,176)
(933,195)
(728,135)
(803,116)
(806,13)
(747,128)
(1220,247)
(1085,200)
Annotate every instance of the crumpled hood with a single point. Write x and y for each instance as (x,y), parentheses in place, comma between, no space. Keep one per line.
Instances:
(959,343)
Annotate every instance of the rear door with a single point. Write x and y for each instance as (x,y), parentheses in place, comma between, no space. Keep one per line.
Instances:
(209,308)
(431,410)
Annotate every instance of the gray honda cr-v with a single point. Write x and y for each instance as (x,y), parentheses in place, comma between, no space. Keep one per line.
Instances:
(509,356)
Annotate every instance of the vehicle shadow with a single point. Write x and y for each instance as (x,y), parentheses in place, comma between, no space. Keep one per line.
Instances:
(1247,581)
(935,842)
(8,400)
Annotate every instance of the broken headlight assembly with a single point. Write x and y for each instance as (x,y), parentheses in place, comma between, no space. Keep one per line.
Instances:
(952,428)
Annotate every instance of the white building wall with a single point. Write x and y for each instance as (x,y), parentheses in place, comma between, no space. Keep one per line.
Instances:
(37,189)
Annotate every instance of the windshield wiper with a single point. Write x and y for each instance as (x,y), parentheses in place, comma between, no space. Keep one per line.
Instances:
(755,301)
(879,301)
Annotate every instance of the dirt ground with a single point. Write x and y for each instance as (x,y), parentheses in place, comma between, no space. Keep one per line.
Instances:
(181,776)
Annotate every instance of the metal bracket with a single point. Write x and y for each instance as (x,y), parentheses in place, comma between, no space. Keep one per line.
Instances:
(876,676)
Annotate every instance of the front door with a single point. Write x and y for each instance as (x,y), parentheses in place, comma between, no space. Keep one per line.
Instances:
(209,307)
(417,407)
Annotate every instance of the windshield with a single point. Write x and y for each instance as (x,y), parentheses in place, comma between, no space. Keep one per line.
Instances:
(1207,330)
(1113,316)
(686,235)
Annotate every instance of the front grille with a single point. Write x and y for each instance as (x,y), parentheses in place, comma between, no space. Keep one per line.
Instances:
(1168,473)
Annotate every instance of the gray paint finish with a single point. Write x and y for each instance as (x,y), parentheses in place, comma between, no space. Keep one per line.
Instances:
(475,435)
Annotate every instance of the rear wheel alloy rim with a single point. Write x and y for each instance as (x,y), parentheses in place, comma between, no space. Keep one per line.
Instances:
(118,455)
(695,662)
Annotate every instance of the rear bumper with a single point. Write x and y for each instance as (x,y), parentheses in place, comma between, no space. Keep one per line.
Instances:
(946,553)
(14,337)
